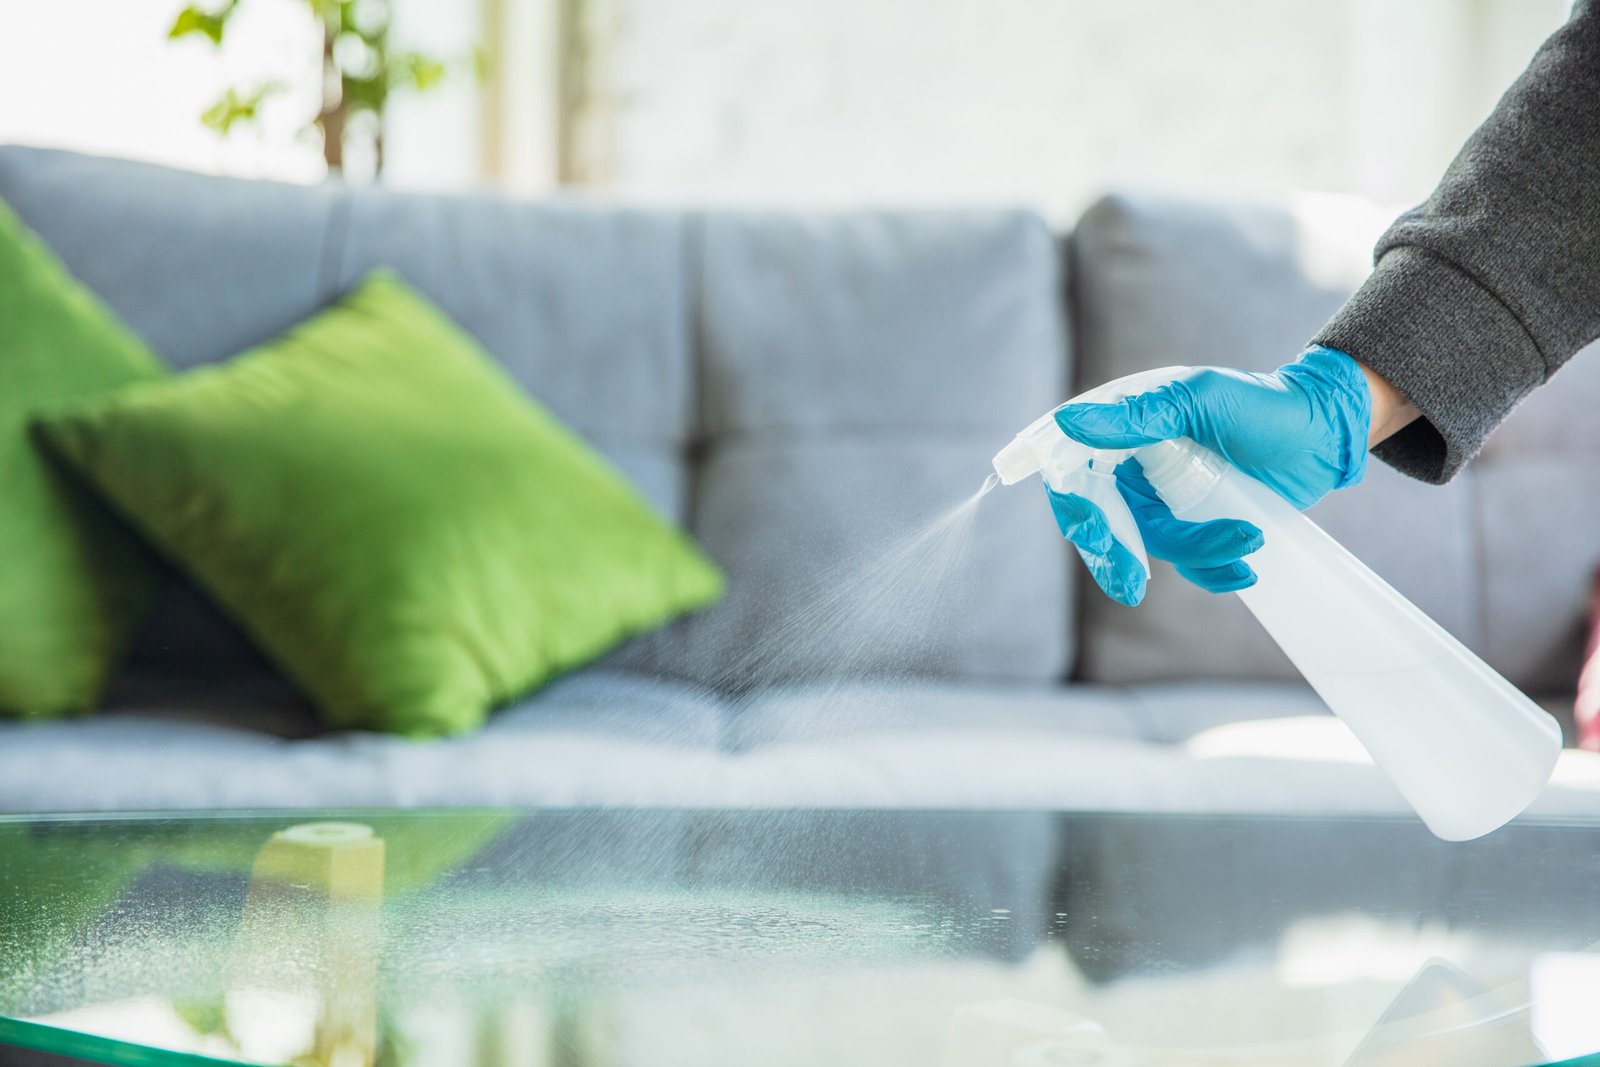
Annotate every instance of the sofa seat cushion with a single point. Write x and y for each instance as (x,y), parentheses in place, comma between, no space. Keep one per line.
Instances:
(1157,712)
(590,738)
(1202,748)
(1175,712)
(617,739)
(847,713)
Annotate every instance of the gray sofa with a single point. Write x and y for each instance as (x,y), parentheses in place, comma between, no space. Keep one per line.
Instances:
(799,390)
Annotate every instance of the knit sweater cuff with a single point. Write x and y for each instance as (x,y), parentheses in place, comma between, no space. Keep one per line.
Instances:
(1450,345)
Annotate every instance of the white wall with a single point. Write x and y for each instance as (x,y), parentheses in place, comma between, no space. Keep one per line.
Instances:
(435,139)
(1045,101)
(821,101)
(100,76)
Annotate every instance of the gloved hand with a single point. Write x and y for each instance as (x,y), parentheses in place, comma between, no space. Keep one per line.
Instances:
(1301,430)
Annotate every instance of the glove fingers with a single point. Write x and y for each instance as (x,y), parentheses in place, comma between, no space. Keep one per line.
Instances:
(1081,521)
(1114,568)
(1229,578)
(1136,488)
(1197,545)
(1200,544)
(1137,420)
(1118,573)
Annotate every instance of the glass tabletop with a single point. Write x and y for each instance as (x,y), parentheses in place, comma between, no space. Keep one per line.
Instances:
(963,939)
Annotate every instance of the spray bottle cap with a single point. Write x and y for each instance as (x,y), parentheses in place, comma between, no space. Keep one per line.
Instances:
(1041,447)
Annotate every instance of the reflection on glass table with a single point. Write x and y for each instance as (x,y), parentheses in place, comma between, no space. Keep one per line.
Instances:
(707,938)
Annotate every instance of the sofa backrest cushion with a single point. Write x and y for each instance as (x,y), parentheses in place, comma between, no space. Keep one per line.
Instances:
(1497,556)
(797,389)
(585,308)
(858,372)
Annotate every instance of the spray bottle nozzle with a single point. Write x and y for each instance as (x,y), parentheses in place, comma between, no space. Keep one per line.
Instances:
(1015,461)
(1041,448)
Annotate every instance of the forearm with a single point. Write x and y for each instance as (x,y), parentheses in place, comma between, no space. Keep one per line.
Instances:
(1491,285)
(1391,410)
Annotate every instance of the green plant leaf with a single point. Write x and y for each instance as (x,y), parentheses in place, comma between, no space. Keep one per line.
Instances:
(371,94)
(329,12)
(416,71)
(197,20)
(236,107)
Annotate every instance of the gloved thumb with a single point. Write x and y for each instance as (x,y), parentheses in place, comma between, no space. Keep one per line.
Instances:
(1129,423)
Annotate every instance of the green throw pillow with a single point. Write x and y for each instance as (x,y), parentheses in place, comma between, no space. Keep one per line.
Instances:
(73,580)
(401,529)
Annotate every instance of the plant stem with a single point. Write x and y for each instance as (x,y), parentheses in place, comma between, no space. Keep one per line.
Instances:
(334,112)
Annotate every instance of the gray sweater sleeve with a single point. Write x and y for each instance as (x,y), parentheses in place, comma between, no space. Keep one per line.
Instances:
(1481,293)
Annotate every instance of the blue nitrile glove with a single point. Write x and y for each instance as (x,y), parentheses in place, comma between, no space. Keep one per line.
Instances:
(1301,430)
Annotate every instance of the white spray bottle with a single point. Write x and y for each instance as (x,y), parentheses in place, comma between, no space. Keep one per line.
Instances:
(1464,746)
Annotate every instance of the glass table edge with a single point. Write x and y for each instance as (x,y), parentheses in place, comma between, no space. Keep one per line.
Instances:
(1383,818)
(74,1044)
